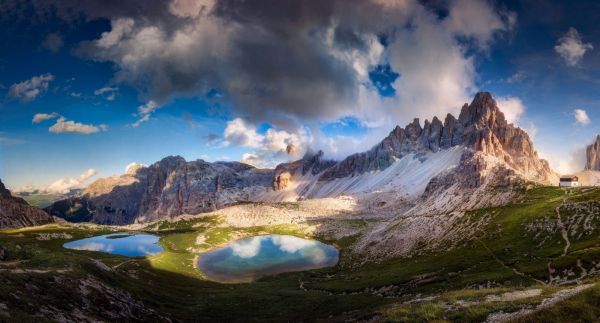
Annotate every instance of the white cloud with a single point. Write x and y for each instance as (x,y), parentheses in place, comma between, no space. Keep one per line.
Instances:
(65,185)
(144,112)
(291,244)
(29,90)
(271,148)
(581,117)
(247,248)
(131,168)
(512,107)
(40,117)
(478,20)
(63,125)
(107,92)
(239,133)
(571,47)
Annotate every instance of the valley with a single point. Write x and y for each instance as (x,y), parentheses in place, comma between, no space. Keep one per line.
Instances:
(512,259)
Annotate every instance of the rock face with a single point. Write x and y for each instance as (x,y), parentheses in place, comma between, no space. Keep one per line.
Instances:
(167,188)
(593,155)
(481,126)
(460,155)
(16,213)
(313,163)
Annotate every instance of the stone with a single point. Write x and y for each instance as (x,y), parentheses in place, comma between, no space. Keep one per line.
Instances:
(16,213)
(593,156)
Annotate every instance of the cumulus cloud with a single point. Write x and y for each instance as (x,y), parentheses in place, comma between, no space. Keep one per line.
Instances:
(512,107)
(63,125)
(478,20)
(272,148)
(41,117)
(29,90)
(571,47)
(581,117)
(132,168)
(295,64)
(239,133)
(107,92)
(53,42)
(144,112)
(65,185)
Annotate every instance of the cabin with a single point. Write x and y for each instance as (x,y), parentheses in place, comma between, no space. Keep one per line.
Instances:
(569,181)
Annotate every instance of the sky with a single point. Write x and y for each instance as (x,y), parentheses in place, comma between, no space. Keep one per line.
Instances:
(88,88)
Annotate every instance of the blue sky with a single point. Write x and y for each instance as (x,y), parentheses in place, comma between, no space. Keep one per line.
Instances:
(220,80)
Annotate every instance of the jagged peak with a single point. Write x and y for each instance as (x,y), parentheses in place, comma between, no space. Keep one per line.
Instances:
(482,111)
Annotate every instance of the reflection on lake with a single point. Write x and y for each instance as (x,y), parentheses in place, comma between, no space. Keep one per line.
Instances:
(130,245)
(247,259)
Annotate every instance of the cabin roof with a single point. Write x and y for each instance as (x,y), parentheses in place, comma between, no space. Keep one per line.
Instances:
(569,178)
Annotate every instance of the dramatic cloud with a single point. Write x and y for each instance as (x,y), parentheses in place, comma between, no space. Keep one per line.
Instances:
(65,185)
(581,117)
(238,133)
(144,112)
(512,107)
(63,125)
(30,89)
(41,117)
(53,42)
(571,47)
(295,64)
(108,93)
(272,148)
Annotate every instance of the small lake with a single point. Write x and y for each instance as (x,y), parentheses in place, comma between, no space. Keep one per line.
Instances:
(248,259)
(124,244)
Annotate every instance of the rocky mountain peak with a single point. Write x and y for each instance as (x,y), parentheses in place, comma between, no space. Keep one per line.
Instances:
(482,112)
(593,155)
(481,126)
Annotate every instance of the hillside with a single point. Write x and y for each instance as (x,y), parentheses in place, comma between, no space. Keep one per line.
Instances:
(530,260)
(16,213)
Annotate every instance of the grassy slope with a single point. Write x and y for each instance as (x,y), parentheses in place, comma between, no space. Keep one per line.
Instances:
(504,257)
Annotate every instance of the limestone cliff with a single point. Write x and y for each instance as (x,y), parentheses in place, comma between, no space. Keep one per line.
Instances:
(593,155)
(481,126)
(167,188)
(16,213)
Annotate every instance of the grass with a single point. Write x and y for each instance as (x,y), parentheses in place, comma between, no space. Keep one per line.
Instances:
(170,284)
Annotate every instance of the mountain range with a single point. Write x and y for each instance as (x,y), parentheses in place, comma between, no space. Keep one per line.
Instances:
(472,161)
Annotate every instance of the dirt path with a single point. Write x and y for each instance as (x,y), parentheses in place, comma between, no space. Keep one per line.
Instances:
(559,296)
(499,261)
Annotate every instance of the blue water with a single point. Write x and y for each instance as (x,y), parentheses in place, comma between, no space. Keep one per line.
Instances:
(249,259)
(130,245)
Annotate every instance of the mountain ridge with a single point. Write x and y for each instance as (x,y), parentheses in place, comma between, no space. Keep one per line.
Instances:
(484,143)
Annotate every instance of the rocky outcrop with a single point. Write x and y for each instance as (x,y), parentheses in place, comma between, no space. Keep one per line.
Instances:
(593,155)
(310,163)
(16,213)
(481,126)
(167,188)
